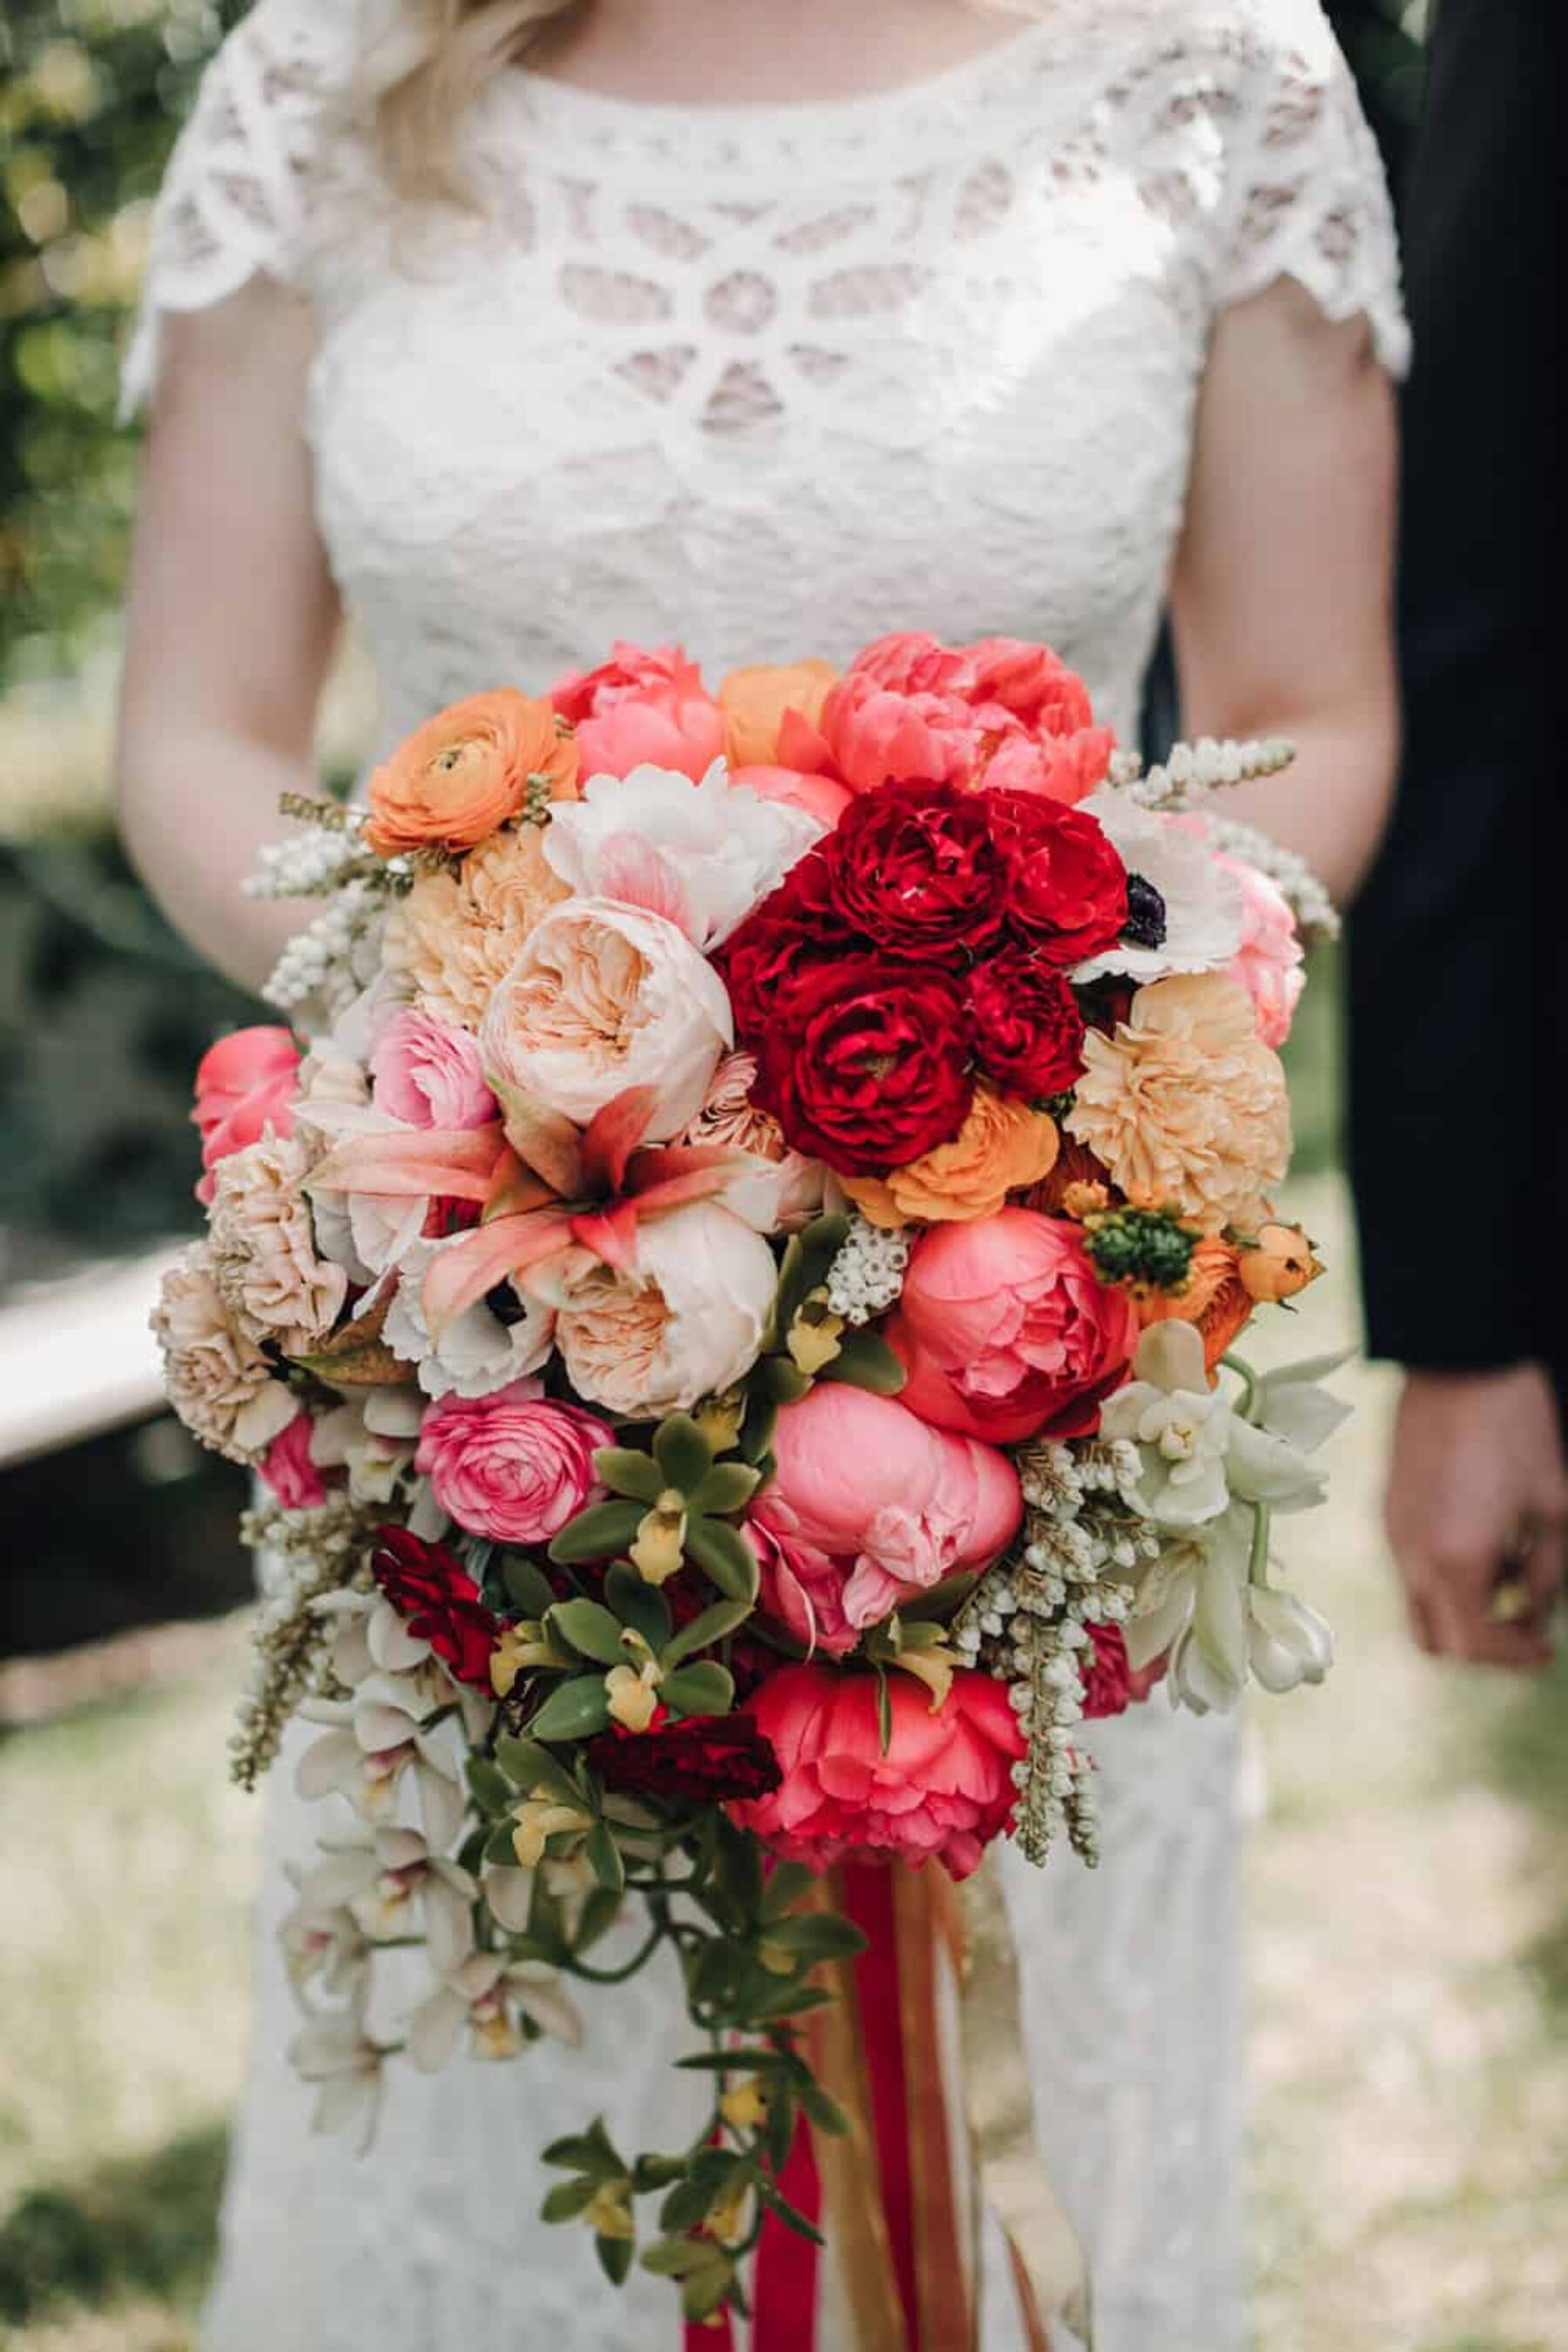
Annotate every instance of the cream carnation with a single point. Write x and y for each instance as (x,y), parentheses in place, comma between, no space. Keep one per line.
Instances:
(685,1322)
(455,935)
(219,1382)
(604,997)
(1183,1105)
(264,1250)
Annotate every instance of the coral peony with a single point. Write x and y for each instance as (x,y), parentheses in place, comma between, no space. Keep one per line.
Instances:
(463,774)
(942,1788)
(514,1465)
(428,1074)
(1184,1104)
(685,1323)
(1006,1330)
(245,1084)
(822,797)
(754,702)
(455,937)
(642,708)
(1002,1148)
(603,998)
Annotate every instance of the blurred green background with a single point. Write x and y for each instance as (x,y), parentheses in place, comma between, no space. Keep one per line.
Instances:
(1410,1935)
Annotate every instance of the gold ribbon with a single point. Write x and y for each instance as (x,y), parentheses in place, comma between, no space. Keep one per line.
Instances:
(847,2163)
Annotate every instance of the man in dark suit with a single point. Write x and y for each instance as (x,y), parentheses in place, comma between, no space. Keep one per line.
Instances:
(1459,963)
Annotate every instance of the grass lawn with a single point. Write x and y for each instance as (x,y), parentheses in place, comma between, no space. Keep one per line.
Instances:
(1409,2033)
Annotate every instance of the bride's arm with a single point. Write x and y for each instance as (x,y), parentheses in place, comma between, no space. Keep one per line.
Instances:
(230,625)
(1282,588)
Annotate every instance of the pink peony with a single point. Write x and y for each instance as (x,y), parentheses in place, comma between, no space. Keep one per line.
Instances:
(866,1489)
(289,1470)
(943,1787)
(245,1084)
(801,1587)
(1007,1332)
(429,1073)
(1268,964)
(642,708)
(512,1466)
(820,796)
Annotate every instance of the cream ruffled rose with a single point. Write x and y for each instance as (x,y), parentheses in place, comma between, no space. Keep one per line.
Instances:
(687,1322)
(604,997)
(455,936)
(219,1382)
(787,1187)
(1183,1105)
(263,1244)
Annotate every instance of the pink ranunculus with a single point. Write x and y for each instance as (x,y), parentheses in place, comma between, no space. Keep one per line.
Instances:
(514,1465)
(429,1073)
(643,706)
(245,1084)
(1007,1332)
(942,1787)
(289,1470)
(1268,963)
(896,1505)
(823,797)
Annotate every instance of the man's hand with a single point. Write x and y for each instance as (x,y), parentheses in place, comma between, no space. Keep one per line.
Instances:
(1477,1494)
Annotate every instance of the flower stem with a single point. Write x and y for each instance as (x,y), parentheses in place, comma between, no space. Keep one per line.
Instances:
(1251,1382)
(1258,1558)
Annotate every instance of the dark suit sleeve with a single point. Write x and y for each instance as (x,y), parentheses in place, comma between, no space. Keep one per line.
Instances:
(1453,999)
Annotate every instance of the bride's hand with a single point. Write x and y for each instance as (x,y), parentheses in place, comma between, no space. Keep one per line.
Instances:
(1476,1509)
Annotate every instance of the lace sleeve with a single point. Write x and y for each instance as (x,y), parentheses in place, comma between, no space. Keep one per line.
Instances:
(237,195)
(1305,191)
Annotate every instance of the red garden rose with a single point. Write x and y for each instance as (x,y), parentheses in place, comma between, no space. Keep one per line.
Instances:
(865,1064)
(437,1601)
(1027,1027)
(918,868)
(1067,887)
(708,1760)
(795,930)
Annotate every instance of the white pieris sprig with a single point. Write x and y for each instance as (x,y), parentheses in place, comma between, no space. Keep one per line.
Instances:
(336,957)
(1194,769)
(867,1276)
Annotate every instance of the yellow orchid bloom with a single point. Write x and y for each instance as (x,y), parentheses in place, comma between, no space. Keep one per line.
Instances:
(745,2106)
(540,1817)
(634,1694)
(609,2212)
(660,1546)
(520,1646)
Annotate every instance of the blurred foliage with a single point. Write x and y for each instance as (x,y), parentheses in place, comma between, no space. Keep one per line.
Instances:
(90,94)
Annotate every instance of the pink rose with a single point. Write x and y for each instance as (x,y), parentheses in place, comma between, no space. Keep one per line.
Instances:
(245,1084)
(865,1488)
(429,1073)
(512,1466)
(1268,963)
(1006,1331)
(942,1787)
(642,708)
(820,796)
(290,1469)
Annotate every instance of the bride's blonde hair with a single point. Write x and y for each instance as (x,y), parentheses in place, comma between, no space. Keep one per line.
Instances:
(425,80)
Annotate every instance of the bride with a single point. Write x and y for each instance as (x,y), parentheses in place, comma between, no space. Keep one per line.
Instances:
(509,327)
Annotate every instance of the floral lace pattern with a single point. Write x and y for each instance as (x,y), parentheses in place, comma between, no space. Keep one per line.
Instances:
(778,377)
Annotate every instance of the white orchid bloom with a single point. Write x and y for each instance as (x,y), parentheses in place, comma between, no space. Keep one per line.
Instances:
(379,1734)
(382,1876)
(370,1637)
(702,855)
(482,1995)
(1201,899)
(1288,1642)
(338,2054)
(327,1943)
(1195,1451)
(372,1434)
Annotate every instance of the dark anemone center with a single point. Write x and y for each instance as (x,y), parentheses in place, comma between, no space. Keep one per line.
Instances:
(1145,925)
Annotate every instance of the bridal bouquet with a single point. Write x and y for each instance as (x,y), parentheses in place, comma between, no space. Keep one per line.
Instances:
(730,1281)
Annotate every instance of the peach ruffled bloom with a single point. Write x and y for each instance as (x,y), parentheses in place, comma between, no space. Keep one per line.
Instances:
(753,702)
(1002,1147)
(219,1382)
(1185,1105)
(466,771)
(1215,1298)
(729,1121)
(264,1255)
(454,937)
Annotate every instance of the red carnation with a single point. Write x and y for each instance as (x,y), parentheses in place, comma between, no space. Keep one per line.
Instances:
(437,1601)
(865,1064)
(1027,1031)
(916,868)
(1068,892)
(708,1760)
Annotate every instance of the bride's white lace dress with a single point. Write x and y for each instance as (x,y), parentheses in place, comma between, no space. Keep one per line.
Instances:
(771,381)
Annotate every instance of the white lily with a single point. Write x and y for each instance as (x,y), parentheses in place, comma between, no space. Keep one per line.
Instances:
(1288,1642)
(483,1996)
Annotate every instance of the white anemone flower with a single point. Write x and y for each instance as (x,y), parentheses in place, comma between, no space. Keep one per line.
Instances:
(702,855)
(479,1352)
(1202,900)
(483,1996)
(338,2054)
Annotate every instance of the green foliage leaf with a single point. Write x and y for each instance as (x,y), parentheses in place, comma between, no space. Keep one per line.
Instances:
(824,2114)
(601,1909)
(627,1471)
(787,1882)
(639,1604)
(488,1785)
(817,1936)
(592,2152)
(761,1420)
(604,1857)
(614,2258)
(682,2257)
(575,1711)
(683,1455)
(784,1381)
(705,2289)
(600,1532)
(729,1487)
(528,1766)
(568,2199)
(685,2206)
(709,1624)
(864,1361)
(704,1687)
(725,1558)
(590,1629)
(528,1588)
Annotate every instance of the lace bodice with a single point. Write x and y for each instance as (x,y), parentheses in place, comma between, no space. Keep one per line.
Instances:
(771,381)
(766,379)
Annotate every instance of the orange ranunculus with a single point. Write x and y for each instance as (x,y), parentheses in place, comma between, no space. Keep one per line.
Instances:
(1002,1148)
(1215,1298)
(460,777)
(1074,1184)
(1281,1264)
(753,702)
